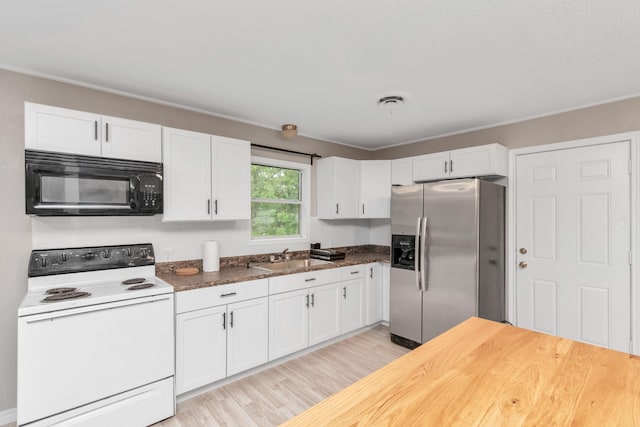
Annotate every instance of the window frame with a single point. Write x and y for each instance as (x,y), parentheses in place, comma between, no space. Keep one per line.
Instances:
(305,202)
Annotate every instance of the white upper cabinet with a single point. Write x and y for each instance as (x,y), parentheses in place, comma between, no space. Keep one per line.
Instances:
(350,188)
(483,160)
(375,188)
(62,130)
(337,188)
(205,177)
(187,175)
(401,171)
(230,178)
(130,139)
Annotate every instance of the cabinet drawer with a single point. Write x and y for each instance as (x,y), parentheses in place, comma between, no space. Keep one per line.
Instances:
(222,294)
(353,272)
(293,282)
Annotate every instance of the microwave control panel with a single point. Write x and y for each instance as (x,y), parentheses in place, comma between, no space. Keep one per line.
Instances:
(151,193)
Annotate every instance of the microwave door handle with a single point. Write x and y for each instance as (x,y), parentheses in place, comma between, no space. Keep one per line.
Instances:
(423,256)
(134,188)
(417,253)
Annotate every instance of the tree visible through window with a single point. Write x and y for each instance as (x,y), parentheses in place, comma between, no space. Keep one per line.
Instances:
(275,201)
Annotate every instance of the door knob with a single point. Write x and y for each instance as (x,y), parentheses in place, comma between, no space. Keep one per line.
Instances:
(523,251)
(522,264)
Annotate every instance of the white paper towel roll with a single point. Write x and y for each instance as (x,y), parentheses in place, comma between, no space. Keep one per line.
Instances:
(211,255)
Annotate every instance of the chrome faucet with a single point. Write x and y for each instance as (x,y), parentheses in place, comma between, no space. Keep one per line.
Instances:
(283,256)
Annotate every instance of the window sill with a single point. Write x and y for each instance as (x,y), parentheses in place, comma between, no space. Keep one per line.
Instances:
(277,241)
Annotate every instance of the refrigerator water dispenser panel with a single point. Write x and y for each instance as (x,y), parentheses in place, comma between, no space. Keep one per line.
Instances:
(403,251)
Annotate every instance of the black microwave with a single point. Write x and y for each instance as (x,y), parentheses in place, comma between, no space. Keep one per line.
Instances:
(73,185)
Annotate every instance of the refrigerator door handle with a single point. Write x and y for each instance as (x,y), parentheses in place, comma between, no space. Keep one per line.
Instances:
(416,248)
(424,265)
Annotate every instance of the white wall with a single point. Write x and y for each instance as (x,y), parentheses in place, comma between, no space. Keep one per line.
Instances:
(183,241)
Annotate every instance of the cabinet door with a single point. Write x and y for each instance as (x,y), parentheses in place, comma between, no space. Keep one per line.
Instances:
(375,188)
(61,130)
(288,323)
(385,275)
(231,178)
(431,167)
(488,159)
(373,293)
(353,313)
(247,334)
(337,188)
(200,348)
(325,314)
(130,139)
(401,171)
(187,175)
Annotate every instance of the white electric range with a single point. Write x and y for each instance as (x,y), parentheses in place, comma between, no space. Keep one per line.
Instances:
(95,339)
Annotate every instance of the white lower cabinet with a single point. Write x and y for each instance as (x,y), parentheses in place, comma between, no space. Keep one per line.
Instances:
(373,293)
(325,313)
(353,298)
(288,323)
(247,334)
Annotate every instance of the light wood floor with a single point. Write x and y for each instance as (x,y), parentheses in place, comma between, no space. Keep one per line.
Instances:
(272,396)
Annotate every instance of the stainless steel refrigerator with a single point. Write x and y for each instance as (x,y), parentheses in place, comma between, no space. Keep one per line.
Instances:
(447,257)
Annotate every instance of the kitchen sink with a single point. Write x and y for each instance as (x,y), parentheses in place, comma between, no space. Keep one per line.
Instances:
(290,264)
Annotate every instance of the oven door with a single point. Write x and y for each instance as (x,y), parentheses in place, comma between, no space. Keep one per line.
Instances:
(70,358)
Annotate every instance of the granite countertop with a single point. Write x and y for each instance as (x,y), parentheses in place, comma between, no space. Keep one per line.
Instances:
(234,274)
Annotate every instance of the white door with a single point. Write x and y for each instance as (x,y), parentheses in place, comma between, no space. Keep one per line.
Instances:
(373,293)
(187,175)
(346,188)
(573,242)
(247,334)
(231,178)
(201,348)
(325,312)
(490,159)
(130,139)
(375,188)
(62,130)
(353,315)
(288,323)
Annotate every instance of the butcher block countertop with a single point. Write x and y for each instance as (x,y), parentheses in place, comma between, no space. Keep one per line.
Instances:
(483,373)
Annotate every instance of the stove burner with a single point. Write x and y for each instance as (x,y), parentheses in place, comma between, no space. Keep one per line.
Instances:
(133,281)
(65,295)
(140,286)
(55,291)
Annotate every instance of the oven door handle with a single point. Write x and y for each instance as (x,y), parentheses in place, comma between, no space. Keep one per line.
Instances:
(93,308)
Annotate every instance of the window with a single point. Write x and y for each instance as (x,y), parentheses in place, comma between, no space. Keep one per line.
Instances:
(279,199)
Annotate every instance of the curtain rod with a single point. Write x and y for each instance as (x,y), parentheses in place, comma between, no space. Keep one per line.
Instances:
(284,150)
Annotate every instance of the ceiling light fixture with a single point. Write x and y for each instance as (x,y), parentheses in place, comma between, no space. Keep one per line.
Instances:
(289,131)
(391,102)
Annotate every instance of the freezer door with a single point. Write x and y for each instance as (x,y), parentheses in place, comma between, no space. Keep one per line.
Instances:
(405,305)
(450,292)
(406,208)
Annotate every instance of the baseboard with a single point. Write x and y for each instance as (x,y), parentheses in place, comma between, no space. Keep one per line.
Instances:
(8,416)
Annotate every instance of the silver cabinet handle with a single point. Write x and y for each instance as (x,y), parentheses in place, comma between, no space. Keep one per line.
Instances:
(363,209)
(451,166)
(310,279)
(224,320)
(423,256)
(445,166)
(313,300)
(418,253)
(344,291)
(208,206)
(371,272)
(228,294)
(355,272)
(95,130)
(106,132)
(231,320)
(216,207)
(307,303)
(337,210)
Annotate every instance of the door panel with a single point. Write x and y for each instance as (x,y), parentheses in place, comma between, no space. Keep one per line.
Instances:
(325,314)
(405,305)
(573,222)
(130,139)
(247,334)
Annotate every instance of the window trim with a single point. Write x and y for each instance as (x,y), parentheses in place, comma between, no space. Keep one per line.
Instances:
(305,202)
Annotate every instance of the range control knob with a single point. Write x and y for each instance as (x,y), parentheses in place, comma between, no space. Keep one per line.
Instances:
(63,258)
(45,262)
(127,252)
(144,253)
(106,254)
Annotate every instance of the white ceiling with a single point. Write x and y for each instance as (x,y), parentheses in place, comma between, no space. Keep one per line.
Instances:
(322,65)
